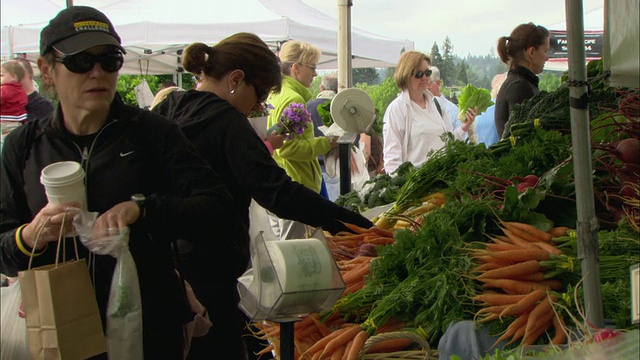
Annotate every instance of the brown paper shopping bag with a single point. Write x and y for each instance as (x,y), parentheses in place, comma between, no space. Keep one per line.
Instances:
(61,311)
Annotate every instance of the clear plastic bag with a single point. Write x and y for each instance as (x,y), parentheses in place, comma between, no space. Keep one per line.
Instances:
(124,309)
(14,328)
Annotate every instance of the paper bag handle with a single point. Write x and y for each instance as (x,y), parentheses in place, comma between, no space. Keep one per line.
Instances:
(61,239)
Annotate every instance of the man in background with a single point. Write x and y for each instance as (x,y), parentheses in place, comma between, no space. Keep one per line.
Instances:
(38,106)
(435,83)
(328,89)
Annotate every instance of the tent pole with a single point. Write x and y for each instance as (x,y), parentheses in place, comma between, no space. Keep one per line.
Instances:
(344,82)
(344,44)
(587,225)
(69,3)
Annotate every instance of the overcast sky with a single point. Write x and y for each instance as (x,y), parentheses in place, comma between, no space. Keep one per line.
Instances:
(473,26)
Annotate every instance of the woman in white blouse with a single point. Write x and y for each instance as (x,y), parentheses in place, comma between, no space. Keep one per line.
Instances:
(413,122)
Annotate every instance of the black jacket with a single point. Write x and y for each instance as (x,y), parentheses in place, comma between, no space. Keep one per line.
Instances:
(520,84)
(135,152)
(225,138)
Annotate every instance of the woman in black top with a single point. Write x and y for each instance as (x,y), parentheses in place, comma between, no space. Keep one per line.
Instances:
(525,51)
(237,74)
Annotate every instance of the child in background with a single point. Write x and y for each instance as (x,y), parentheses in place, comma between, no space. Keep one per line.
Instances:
(13,98)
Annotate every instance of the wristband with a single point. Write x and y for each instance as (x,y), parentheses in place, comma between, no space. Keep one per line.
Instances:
(22,246)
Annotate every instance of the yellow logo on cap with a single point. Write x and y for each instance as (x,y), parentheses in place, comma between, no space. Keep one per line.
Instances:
(90,26)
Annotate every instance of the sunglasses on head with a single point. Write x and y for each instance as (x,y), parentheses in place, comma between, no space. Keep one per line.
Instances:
(421,73)
(261,94)
(83,62)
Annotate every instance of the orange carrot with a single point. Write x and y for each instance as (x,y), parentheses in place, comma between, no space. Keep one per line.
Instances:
(558,231)
(502,247)
(518,323)
(531,337)
(520,255)
(526,304)
(497,299)
(355,228)
(353,287)
(357,273)
(487,266)
(389,345)
(497,309)
(518,335)
(348,335)
(347,349)
(548,247)
(380,240)
(307,332)
(513,287)
(358,344)
(531,231)
(535,277)
(323,342)
(383,232)
(323,329)
(338,354)
(553,284)
(488,318)
(561,335)
(306,321)
(512,271)
(517,240)
(541,311)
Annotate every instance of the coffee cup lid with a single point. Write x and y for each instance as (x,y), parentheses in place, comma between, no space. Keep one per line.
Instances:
(61,173)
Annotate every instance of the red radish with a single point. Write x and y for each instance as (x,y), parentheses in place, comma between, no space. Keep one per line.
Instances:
(531,179)
(524,186)
(627,150)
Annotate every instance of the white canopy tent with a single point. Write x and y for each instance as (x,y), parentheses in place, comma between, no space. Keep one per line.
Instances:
(154,32)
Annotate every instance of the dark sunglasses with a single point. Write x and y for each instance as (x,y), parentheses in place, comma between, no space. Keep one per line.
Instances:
(421,73)
(83,62)
(261,94)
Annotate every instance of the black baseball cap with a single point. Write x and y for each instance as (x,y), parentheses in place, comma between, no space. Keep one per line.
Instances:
(76,29)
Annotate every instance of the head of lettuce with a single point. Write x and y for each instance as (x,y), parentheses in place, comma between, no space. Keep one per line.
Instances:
(471,97)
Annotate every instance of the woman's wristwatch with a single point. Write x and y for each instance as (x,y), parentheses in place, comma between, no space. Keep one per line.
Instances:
(140,200)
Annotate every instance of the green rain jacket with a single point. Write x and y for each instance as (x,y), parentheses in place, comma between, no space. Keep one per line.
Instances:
(298,156)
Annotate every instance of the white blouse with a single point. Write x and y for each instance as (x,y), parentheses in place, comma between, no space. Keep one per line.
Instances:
(410,132)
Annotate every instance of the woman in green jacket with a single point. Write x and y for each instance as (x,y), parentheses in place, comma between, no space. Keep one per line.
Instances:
(299,155)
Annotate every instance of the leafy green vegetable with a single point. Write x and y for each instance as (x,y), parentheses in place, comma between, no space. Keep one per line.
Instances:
(471,97)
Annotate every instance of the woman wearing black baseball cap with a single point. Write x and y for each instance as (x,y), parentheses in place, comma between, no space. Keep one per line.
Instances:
(141,173)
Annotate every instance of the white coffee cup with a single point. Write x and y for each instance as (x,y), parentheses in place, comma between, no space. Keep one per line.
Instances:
(64,182)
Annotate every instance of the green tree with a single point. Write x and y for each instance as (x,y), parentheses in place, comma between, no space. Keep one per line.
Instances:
(127,83)
(448,67)
(382,94)
(365,76)
(436,57)
(463,69)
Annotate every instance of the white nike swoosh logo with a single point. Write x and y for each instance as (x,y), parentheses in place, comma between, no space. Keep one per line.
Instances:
(127,153)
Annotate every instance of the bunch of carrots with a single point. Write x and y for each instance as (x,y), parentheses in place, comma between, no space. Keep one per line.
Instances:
(517,271)
(347,245)
(331,338)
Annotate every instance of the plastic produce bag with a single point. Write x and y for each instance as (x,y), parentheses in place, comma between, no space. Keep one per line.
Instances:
(124,308)
(357,166)
(14,328)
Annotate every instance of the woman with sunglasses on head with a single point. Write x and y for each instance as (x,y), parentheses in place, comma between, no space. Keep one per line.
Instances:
(236,75)
(298,156)
(140,172)
(525,51)
(414,122)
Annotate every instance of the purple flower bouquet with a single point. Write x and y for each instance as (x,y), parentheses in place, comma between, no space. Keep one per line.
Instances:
(293,121)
